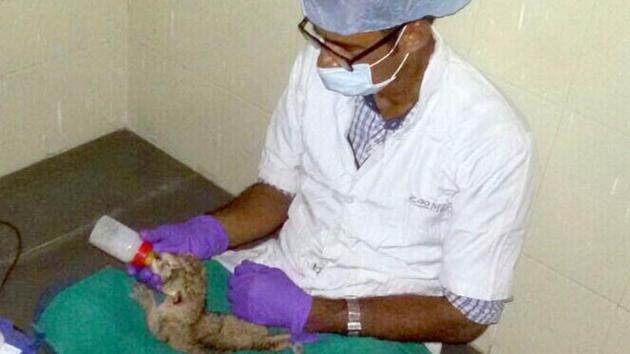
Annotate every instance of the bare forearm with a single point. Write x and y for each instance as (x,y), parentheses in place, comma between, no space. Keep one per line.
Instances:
(401,318)
(255,213)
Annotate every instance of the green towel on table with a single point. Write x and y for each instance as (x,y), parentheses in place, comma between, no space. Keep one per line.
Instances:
(97,315)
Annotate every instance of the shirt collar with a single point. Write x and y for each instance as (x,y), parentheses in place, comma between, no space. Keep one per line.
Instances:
(389,124)
(432,79)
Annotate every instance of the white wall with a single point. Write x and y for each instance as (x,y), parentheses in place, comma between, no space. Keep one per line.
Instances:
(566,66)
(205,76)
(63,76)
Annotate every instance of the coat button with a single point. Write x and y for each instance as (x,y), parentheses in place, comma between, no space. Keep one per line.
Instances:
(317,268)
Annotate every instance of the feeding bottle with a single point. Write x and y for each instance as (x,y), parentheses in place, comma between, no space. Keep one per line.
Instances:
(121,242)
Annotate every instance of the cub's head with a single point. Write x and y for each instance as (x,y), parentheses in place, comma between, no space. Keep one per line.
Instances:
(183,276)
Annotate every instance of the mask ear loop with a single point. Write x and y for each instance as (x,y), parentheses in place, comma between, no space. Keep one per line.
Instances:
(400,66)
(392,50)
(395,75)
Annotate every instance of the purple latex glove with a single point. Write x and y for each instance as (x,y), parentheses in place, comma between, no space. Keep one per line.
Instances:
(15,338)
(202,236)
(145,275)
(266,296)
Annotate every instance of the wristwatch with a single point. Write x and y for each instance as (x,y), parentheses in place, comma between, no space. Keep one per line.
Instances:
(354,317)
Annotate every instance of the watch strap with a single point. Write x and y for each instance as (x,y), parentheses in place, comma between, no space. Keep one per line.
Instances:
(354,317)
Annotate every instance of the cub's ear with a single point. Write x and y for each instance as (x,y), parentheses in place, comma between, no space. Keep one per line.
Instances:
(174,261)
(193,264)
(189,258)
(167,257)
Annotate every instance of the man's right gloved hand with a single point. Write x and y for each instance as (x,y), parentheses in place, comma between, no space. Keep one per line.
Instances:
(202,236)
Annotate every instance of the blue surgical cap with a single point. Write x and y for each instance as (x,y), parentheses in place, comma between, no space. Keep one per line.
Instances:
(354,16)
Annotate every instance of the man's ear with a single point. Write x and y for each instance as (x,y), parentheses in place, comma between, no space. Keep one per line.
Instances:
(417,36)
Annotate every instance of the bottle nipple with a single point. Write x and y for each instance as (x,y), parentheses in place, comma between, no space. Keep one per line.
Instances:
(144,255)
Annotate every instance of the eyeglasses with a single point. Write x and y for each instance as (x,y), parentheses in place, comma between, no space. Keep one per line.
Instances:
(341,59)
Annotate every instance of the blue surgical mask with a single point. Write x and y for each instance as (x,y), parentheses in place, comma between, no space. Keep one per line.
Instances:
(359,81)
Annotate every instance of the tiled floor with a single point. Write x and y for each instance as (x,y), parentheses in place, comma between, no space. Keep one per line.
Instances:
(56,202)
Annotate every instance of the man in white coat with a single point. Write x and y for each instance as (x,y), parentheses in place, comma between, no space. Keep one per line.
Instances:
(398,177)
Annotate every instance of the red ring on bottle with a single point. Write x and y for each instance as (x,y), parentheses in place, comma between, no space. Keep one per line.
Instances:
(141,254)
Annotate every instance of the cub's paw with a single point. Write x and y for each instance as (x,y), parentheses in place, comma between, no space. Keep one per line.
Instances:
(142,294)
(281,342)
(297,348)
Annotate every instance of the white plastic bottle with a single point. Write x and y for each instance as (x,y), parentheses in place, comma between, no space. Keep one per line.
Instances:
(121,242)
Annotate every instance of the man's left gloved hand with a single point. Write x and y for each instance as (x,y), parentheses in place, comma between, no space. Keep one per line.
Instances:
(266,296)
(146,276)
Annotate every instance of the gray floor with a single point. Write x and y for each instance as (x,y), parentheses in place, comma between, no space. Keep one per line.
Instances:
(56,202)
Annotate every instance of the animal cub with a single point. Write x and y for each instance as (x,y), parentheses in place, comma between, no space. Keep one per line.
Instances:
(181,320)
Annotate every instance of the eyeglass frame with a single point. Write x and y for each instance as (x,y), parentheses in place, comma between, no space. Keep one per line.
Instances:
(344,59)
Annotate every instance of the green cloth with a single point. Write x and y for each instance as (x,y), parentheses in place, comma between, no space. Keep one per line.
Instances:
(97,315)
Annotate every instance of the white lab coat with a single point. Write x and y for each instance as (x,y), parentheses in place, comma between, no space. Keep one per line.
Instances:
(441,204)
